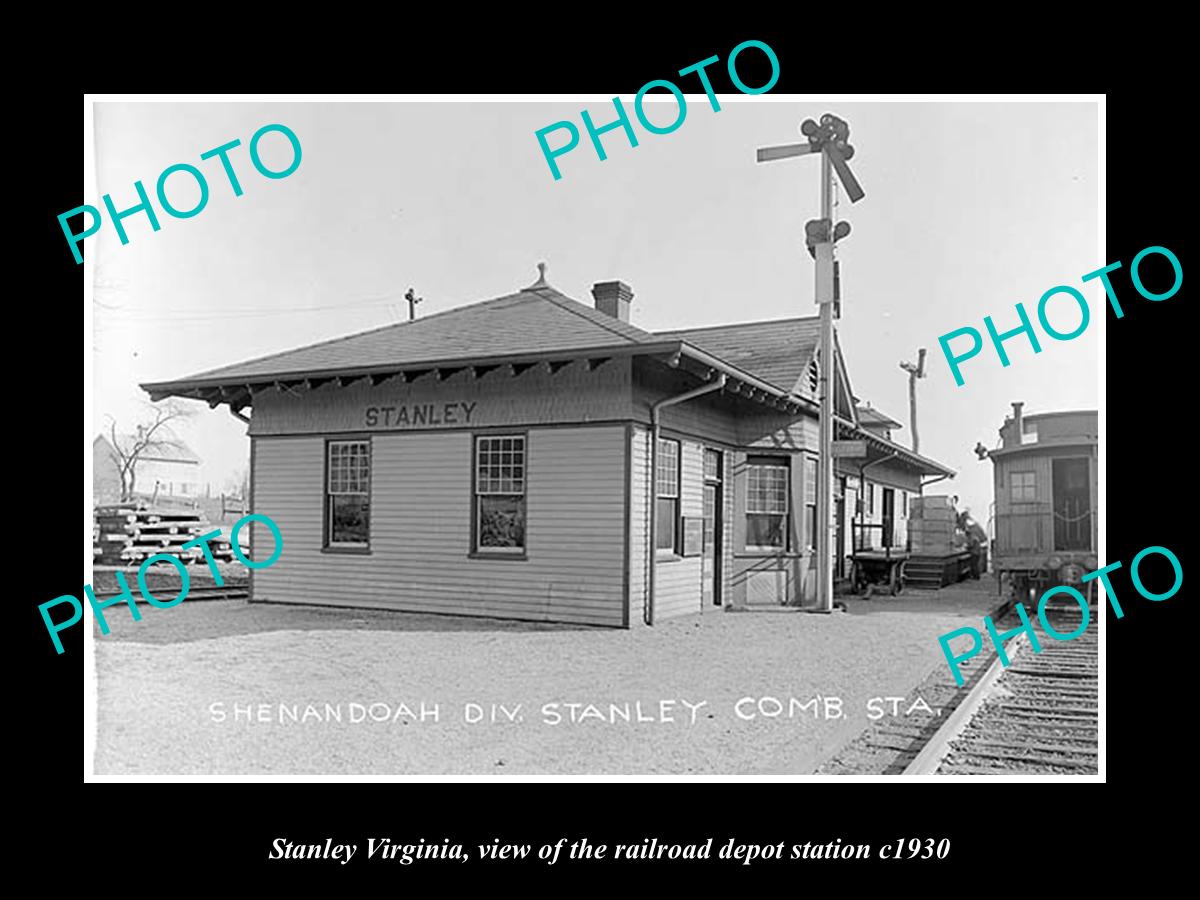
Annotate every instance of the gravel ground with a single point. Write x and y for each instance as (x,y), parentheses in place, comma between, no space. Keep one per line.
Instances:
(183,690)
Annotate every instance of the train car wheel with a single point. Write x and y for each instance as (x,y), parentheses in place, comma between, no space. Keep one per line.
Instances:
(1020,587)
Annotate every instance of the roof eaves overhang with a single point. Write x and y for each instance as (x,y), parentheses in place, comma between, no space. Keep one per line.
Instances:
(191,387)
(1082,442)
(747,385)
(925,465)
(237,389)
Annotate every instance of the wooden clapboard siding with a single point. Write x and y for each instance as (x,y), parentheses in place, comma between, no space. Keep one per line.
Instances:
(727,529)
(421,529)
(1041,462)
(777,431)
(891,474)
(709,416)
(1094,477)
(575,393)
(639,523)
(677,586)
(1024,526)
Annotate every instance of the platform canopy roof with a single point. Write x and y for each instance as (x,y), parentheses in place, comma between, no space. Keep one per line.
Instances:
(763,361)
(869,415)
(880,448)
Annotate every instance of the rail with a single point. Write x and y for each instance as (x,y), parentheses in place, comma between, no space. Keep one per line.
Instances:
(1038,715)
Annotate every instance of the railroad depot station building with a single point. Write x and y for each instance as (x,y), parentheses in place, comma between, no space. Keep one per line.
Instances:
(499,459)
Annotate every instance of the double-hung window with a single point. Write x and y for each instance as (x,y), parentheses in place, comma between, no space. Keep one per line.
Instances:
(810,500)
(500,494)
(766,503)
(666,491)
(347,494)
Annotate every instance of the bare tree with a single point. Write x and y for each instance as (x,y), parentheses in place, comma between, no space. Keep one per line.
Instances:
(147,437)
(235,496)
(238,484)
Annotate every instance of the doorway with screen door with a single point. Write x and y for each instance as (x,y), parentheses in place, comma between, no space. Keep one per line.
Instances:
(711,558)
(1072,504)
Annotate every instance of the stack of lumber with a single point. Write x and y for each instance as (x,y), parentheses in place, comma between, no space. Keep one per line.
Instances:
(128,533)
(932,526)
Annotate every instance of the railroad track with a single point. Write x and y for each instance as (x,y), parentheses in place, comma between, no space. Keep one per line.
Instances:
(1037,716)
(212,592)
(166,588)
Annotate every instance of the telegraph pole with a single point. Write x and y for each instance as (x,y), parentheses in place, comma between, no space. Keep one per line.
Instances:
(827,383)
(914,372)
(413,300)
(830,139)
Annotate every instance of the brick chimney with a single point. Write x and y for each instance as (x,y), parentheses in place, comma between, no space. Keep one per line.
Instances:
(1018,423)
(613,298)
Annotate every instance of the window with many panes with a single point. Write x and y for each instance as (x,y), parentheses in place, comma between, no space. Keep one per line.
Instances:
(712,465)
(1024,487)
(766,503)
(500,494)
(347,494)
(810,500)
(666,494)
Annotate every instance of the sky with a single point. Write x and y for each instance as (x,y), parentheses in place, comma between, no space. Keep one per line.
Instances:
(970,208)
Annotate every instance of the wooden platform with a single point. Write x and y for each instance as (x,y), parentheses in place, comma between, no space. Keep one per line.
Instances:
(933,571)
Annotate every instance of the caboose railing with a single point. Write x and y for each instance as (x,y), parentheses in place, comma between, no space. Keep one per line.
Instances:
(1073,525)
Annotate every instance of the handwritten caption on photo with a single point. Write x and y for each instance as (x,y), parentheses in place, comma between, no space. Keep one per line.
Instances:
(562,713)
(126,596)
(144,204)
(1102,575)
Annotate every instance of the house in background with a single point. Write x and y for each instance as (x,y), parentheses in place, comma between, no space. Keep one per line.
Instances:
(168,472)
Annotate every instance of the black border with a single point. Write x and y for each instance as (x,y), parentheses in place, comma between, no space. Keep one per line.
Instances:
(222,838)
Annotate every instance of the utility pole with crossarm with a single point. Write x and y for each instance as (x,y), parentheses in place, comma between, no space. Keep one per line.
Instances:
(830,138)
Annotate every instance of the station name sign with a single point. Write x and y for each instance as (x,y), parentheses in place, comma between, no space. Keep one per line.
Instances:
(419,414)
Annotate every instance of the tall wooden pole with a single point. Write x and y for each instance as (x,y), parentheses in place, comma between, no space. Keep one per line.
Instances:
(830,140)
(912,412)
(827,383)
(914,372)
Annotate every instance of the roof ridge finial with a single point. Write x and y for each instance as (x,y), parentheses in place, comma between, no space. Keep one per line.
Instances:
(541,282)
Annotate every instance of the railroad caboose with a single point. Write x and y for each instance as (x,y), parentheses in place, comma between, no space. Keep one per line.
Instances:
(1045,521)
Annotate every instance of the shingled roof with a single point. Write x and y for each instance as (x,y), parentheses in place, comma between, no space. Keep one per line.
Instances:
(532,321)
(869,415)
(172,450)
(778,351)
(532,324)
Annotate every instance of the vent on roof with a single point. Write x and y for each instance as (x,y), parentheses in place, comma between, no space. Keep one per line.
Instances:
(814,376)
(613,298)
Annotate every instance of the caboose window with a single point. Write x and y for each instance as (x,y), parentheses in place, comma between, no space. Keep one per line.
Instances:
(1024,487)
